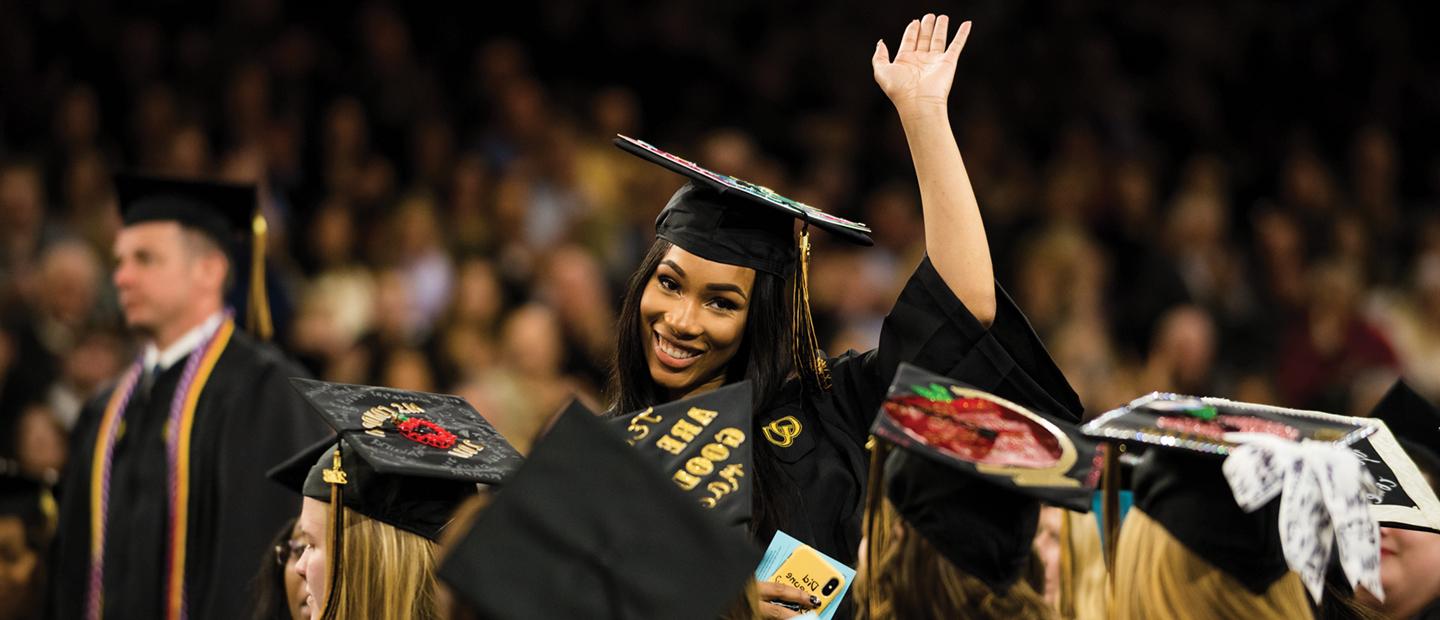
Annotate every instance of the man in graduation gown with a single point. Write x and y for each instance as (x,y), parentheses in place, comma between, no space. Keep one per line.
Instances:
(165,510)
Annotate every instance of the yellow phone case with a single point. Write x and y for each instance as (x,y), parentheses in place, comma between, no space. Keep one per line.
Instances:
(807,570)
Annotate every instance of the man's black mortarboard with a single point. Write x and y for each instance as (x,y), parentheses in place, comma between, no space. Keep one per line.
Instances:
(404,458)
(703,445)
(1409,436)
(1180,483)
(728,220)
(589,529)
(226,213)
(974,467)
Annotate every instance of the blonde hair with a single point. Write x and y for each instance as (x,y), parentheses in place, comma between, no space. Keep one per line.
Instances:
(384,573)
(1157,577)
(1084,582)
(904,577)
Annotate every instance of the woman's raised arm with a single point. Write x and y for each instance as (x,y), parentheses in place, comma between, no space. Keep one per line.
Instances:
(918,83)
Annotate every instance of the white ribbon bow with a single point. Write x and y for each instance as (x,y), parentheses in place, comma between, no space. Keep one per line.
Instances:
(1323,489)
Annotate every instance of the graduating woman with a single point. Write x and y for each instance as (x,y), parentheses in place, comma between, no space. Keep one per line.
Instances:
(721,296)
(378,496)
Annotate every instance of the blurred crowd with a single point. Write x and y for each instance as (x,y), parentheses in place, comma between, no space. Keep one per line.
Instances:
(1224,198)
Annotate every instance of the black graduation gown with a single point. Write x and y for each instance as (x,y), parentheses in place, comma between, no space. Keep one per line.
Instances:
(247,420)
(826,464)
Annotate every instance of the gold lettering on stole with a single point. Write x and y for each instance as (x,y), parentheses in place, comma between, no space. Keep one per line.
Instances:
(703,416)
(686,430)
(669,444)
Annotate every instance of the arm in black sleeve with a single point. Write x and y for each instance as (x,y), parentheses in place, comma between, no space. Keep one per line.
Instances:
(930,328)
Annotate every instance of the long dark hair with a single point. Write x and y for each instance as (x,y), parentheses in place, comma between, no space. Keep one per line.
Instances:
(763,357)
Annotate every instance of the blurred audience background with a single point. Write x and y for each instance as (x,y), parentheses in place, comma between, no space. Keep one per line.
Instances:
(1222,197)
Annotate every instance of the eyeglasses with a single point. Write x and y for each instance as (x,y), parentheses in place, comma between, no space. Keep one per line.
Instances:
(288,550)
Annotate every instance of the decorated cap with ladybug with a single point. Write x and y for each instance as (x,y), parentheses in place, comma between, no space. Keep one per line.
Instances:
(403,458)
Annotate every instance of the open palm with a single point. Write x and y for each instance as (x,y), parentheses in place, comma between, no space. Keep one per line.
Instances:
(924,67)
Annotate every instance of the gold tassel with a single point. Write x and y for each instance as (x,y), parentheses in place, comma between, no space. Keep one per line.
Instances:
(337,479)
(1067,567)
(809,359)
(258,314)
(1110,508)
(872,521)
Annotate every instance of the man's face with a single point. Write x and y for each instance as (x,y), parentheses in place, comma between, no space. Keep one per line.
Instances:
(158,275)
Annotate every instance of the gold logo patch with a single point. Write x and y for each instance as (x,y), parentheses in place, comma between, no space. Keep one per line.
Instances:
(782,432)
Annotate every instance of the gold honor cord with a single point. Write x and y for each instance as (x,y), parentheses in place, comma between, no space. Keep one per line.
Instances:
(257,316)
(809,362)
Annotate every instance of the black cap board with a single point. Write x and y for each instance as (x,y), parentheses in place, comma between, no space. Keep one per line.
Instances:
(1401,455)
(409,458)
(224,212)
(588,528)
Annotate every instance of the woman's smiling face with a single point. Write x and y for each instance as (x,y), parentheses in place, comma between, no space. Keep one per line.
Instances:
(693,314)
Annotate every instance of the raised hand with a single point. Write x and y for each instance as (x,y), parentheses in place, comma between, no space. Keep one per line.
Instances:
(924,67)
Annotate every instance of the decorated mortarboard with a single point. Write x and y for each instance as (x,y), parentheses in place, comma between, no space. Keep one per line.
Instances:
(728,220)
(731,207)
(587,528)
(973,468)
(1405,444)
(1202,424)
(702,444)
(227,213)
(1038,453)
(404,458)
(1288,491)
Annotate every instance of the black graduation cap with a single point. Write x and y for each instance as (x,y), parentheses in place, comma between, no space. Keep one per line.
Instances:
(226,213)
(973,469)
(588,529)
(408,458)
(1414,420)
(1187,494)
(1180,484)
(703,445)
(222,211)
(732,221)
(1406,444)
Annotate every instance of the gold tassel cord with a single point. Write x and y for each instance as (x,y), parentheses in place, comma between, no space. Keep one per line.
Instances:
(337,479)
(1110,509)
(258,314)
(871,521)
(1067,568)
(809,360)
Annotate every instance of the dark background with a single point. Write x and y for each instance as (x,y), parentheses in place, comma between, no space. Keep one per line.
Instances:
(1219,197)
